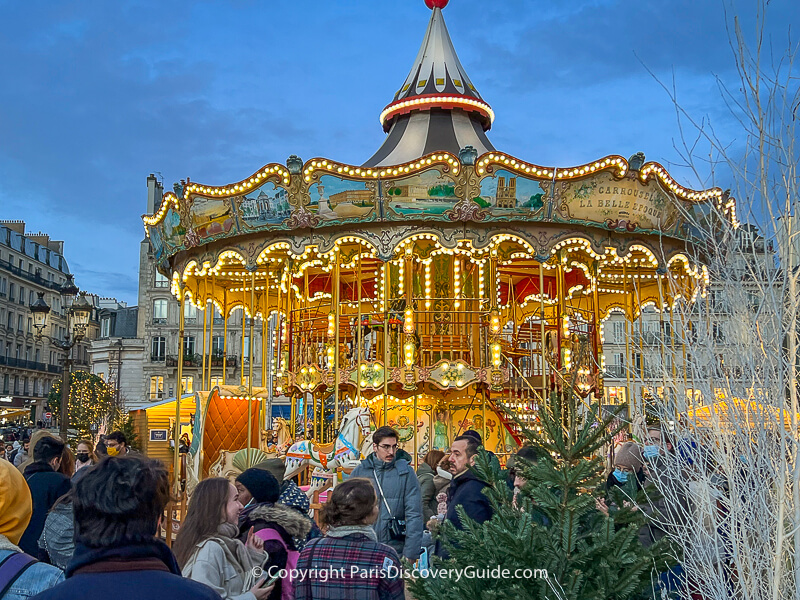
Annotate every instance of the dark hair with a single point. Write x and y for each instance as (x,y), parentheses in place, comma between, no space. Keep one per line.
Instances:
(204,515)
(473,434)
(383,433)
(26,440)
(118,437)
(472,444)
(528,453)
(433,458)
(350,503)
(119,501)
(47,449)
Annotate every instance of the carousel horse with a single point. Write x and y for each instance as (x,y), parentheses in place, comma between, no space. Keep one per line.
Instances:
(283,438)
(345,452)
(230,464)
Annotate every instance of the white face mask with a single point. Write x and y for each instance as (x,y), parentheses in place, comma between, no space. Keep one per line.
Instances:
(442,473)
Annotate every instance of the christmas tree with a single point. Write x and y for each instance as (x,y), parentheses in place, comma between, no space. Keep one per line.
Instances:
(555,543)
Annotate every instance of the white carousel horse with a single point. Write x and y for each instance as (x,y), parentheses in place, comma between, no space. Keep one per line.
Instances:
(345,452)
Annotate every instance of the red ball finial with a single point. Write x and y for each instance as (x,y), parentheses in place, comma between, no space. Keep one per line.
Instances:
(436,3)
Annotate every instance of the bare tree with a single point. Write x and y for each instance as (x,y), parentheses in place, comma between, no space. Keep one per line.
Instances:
(728,370)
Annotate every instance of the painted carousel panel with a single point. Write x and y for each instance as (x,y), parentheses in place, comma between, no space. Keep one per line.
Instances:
(429,193)
(336,200)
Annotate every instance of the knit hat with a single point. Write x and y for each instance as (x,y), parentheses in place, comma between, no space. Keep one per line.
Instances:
(629,455)
(16,505)
(276,466)
(261,484)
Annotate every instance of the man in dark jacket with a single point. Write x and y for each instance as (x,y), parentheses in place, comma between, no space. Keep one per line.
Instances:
(465,490)
(398,493)
(118,505)
(46,487)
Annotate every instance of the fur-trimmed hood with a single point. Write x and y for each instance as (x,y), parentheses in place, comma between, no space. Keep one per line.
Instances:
(290,519)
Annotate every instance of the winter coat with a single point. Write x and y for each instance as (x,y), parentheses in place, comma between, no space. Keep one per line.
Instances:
(466,490)
(46,487)
(663,511)
(225,565)
(353,562)
(135,572)
(20,457)
(430,484)
(37,578)
(289,525)
(402,494)
(57,542)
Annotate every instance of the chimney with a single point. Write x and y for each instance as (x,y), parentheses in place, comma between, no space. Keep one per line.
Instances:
(154,193)
(15,226)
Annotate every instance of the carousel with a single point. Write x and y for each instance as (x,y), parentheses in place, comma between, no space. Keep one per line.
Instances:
(442,285)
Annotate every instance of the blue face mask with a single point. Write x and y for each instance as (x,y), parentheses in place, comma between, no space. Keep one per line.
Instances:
(620,476)
(651,451)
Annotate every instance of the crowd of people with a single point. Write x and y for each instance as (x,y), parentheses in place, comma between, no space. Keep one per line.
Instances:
(89,524)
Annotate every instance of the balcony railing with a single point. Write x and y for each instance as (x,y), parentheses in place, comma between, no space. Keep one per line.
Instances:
(157,358)
(35,278)
(22,363)
(196,360)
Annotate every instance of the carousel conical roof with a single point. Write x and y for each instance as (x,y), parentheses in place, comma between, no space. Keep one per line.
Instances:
(437,108)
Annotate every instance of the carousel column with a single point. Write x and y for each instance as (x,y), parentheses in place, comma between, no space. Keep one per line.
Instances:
(225,336)
(210,334)
(264,420)
(541,330)
(387,285)
(250,369)
(337,316)
(176,465)
(205,337)
(628,327)
(357,334)
(598,340)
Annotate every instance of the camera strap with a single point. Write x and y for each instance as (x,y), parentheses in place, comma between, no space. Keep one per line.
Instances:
(386,504)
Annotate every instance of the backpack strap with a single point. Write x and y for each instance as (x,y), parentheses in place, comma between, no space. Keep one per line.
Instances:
(11,568)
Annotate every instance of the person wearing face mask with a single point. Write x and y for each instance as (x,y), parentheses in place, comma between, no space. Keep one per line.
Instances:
(628,463)
(116,444)
(84,456)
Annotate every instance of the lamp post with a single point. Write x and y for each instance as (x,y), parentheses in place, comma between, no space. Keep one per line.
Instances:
(78,313)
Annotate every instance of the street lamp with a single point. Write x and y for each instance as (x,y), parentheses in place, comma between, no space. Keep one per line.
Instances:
(79,311)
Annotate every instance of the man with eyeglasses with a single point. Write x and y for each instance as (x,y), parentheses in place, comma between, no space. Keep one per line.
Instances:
(400,521)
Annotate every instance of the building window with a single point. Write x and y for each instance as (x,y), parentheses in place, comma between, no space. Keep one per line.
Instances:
(10,322)
(217,345)
(159,348)
(188,345)
(161,281)
(156,387)
(160,308)
(246,347)
(105,327)
(12,292)
(21,295)
(16,384)
(189,313)
(30,297)
(20,321)
(5,384)
(187,385)
(216,381)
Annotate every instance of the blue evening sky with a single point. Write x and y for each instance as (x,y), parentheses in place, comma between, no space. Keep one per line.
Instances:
(97,94)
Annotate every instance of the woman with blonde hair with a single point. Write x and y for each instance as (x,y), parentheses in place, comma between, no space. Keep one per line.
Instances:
(84,455)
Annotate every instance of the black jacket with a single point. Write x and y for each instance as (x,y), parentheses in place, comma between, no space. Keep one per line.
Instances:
(135,572)
(46,487)
(466,490)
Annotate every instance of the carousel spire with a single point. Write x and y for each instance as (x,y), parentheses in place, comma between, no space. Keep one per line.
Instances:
(437,107)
